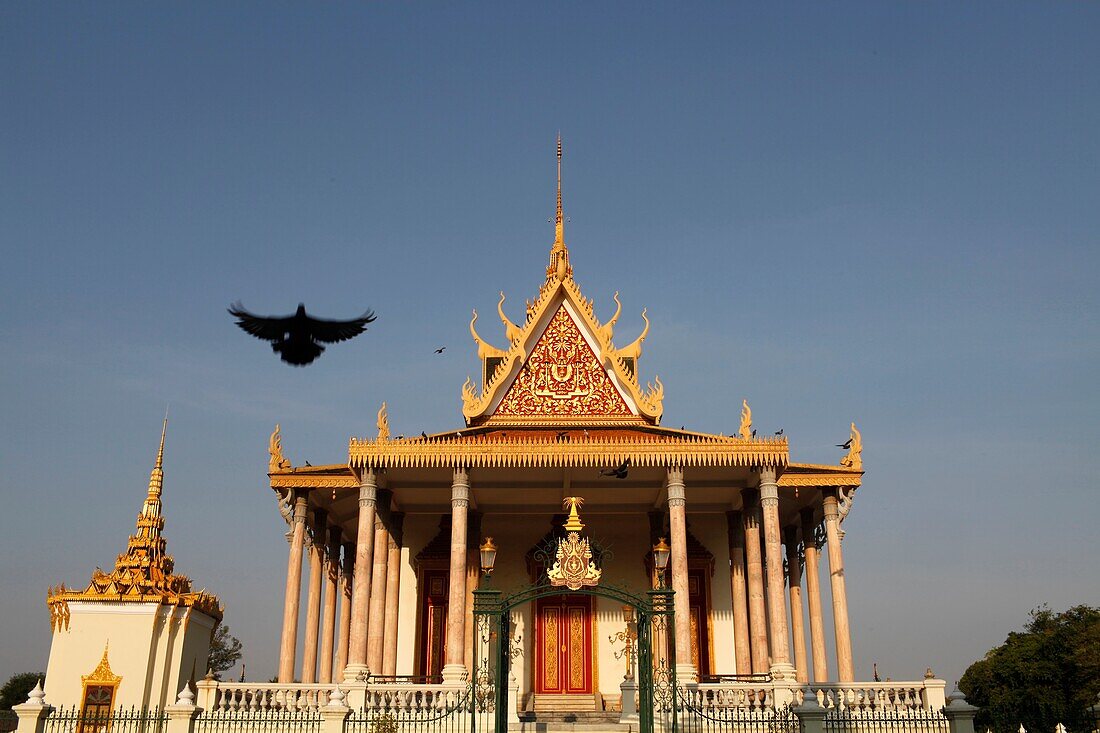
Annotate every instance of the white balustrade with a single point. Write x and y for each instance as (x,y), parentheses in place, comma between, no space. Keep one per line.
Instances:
(872,696)
(255,696)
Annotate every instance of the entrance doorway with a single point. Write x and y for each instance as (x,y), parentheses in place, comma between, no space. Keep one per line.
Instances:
(563,645)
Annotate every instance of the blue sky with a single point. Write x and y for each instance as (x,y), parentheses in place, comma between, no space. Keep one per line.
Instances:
(876,212)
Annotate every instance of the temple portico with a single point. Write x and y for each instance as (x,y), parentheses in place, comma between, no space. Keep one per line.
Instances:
(561,414)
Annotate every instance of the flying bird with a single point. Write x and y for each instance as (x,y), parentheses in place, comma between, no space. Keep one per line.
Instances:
(295,338)
(619,472)
(779,432)
(440,349)
(846,444)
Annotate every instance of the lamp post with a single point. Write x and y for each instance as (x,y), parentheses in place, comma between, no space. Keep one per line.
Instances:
(488,557)
(661,553)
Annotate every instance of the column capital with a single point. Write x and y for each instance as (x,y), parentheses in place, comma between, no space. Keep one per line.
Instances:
(300,506)
(830,506)
(767,475)
(675,475)
(368,487)
(460,488)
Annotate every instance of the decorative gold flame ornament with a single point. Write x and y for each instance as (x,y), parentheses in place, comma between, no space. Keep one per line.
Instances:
(573,565)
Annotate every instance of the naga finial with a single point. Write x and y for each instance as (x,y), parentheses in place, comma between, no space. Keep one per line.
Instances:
(854,459)
(485,350)
(746,420)
(607,330)
(276,461)
(383,423)
(512,332)
(634,350)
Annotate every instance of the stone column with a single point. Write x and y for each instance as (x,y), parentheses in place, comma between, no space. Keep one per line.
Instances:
(344,635)
(376,633)
(845,673)
(289,639)
(454,670)
(393,593)
(794,588)
(677,524)
(741,645)
(328,617)
(360,584)
(313,602)
(754,570)
(781,666)
(812,552)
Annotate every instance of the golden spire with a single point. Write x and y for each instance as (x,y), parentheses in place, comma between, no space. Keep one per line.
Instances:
(559,256)
(151,508)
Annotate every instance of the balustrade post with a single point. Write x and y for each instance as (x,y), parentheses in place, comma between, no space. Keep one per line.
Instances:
(959,713)
(935,693)
(182,714)
(335,713)
(810,713)
(33,713)
(207,689)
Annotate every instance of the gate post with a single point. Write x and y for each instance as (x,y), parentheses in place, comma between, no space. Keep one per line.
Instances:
(810,714)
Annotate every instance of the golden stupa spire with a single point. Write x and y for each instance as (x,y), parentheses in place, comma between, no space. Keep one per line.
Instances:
(559,255)
(151,508)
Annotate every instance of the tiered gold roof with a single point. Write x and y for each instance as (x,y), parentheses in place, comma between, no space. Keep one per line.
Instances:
(144,572)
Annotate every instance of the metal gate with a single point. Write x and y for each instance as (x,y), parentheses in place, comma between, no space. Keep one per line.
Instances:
(493,652)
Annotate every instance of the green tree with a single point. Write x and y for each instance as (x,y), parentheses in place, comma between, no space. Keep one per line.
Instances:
(1048,674)
(16,689)
(225,651)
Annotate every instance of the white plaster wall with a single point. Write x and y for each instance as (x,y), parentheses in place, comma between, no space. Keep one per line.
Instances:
(151,647)
(712,531)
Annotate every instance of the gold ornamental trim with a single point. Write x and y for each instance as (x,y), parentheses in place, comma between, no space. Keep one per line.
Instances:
(102,674)
(818,480)
(307,481)
(479,451)
(573,567)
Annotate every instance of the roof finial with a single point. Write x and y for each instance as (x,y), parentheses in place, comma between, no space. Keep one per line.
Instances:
(559,225)
(151,508)
(559,256)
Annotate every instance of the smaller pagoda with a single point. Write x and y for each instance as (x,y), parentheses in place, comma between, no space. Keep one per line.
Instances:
(135,635)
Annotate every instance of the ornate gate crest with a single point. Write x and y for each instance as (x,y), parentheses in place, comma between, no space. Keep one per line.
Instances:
(573,566)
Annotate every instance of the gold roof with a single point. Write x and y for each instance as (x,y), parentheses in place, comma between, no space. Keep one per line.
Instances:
(144,572)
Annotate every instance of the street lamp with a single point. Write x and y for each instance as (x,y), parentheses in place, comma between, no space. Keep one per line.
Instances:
(488,556)
(661,552)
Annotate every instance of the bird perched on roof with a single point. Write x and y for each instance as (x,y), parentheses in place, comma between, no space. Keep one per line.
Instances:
(619,472)
(295,338)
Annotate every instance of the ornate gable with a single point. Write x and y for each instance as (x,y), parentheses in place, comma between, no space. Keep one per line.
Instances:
(563,378)
(562,365)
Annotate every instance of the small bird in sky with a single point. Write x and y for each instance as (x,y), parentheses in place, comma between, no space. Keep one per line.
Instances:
(845,444)
(619,472)
(295,338)
(779,432)
(440,349)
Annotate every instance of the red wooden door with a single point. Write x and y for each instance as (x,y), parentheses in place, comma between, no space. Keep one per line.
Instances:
(563,645)
(433,614)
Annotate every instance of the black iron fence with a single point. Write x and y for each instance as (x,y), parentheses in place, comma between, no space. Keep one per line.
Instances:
(259,721)
(133,720)
(912,720)
(426,715)
(699,714)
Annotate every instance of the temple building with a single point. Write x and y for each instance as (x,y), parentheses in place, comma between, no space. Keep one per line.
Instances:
(561,422)
(134,636)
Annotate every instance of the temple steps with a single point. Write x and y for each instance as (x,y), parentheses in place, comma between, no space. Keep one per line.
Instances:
(565,704)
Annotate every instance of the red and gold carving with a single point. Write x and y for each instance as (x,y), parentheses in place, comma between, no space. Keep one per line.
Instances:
(550,649)
(563,378)
(576,648)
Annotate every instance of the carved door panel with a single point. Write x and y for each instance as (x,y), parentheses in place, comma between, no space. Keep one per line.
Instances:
(699,611)
(433,635)
(563,646)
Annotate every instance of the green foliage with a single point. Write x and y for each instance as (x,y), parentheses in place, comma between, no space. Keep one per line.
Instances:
(225,651)
(16,689)
(1048,674)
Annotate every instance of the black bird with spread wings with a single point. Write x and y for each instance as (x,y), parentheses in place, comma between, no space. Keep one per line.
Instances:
(620,472)
(295,338)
